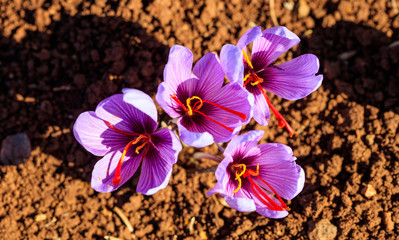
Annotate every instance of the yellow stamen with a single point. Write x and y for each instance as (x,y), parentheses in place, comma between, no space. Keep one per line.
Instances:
(246,77)
(238,175)
(188,101)
(247,59)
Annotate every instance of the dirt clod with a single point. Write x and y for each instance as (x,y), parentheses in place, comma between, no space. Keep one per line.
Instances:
(369,191)
(323,230)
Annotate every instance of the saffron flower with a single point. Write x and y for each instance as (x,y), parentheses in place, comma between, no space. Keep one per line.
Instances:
(207,111)
(122,131)
(258,177)
(291,80)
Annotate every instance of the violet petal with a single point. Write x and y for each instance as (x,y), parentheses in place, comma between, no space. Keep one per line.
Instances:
(236,141)
(125,116)
(104,170)
(249,36)
(94,135)
(294,79)
(178,68)
(273,43)
(232,64)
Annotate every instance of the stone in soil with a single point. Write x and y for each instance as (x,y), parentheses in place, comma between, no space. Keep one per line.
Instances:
(323,230)
(15,149)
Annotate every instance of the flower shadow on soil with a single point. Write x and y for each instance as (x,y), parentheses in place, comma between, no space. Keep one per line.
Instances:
(50,77)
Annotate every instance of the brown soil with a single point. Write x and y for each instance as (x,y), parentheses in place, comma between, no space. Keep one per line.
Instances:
(61,57)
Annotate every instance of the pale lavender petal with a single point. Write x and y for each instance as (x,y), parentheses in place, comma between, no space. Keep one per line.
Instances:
(251,136)
(264,211)
(216,189)
(178,68)
(140,101)
(294,79)
(278,168)
(165,101)
(95,136)
(273,43)
(301,182)
(241,204)
(232,64)
(125,116)
(210,74)
(104,170)
(261,111)
(249,36)
(194,139)
(221,172)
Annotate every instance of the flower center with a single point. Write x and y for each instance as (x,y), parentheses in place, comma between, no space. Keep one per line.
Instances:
(255,80)
(241,170)
(198,103)
(144,139)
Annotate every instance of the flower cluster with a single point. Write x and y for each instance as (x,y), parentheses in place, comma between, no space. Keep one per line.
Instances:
(123,128)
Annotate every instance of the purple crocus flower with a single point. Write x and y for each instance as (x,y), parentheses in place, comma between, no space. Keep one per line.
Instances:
(257,177)
(122,131)
(291,80)
(207,111)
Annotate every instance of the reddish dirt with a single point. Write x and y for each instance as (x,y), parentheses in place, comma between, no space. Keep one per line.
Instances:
(59,58)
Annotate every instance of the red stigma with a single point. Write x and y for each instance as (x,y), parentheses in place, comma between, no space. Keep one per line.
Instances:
(281,120)
(198,105)
(259,191)
(140,137)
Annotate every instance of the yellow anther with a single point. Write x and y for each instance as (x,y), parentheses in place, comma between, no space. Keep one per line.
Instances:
(254,83)
(246,77)
(188,102)
(239,185)
(123,155)
(238,175)
(247,59)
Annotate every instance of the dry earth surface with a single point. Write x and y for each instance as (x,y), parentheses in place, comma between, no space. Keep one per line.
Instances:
(59,58)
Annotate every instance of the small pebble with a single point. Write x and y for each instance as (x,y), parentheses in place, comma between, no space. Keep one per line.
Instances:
(323,229)
(15,149)
(370,139)
(369,191)
(203,235)
(40,217)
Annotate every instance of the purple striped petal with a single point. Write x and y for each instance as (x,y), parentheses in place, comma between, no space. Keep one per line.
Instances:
(178,68)
(95,136)
(104,170)
(234,97)
(253,136)
(232,64)
(165,101)
(249,36)
(210,74)
(294,79)
(231,96)
(140,101)
(158,163)
(261,110)
(125,116)
(273,43)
